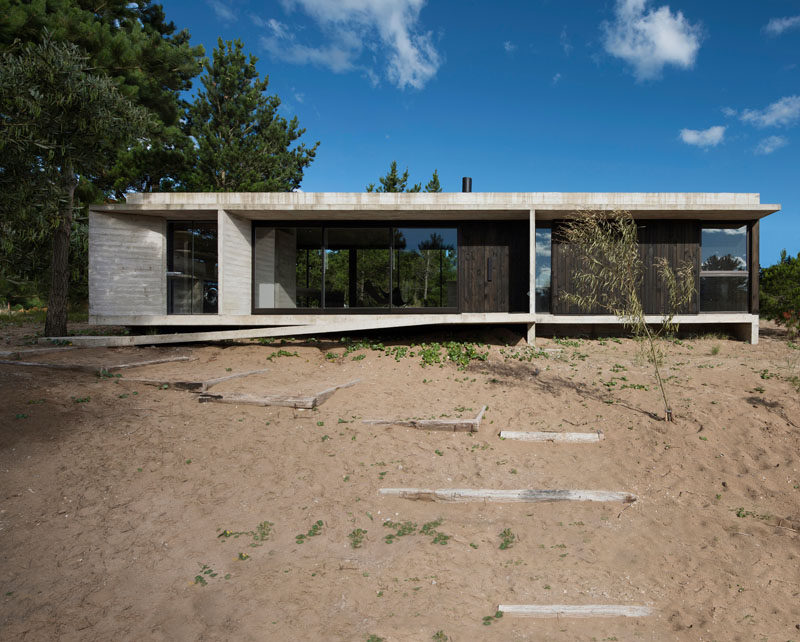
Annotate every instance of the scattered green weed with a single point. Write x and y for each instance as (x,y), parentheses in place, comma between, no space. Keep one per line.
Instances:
(282,353)
(316,529)
(488,619)
(260,535)
(507,538)
(357,537)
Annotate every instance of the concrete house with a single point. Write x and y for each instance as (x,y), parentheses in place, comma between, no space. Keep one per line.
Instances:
(317,262)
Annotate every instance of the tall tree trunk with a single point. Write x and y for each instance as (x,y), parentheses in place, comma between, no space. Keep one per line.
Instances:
(55,324)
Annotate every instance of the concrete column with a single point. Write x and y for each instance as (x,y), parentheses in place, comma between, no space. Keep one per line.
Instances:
(532,253)
(531,334)
(235,263)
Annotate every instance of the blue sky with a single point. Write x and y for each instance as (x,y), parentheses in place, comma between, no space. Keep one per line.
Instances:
(538,95)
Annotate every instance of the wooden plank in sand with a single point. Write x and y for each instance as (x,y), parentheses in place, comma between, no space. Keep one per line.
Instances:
(200,386)
(447,425)
(575,610)
(573,437)
(151,362)
(523,495)
(291,401)
(52,366)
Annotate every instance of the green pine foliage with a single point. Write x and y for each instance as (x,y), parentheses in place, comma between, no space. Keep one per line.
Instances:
(396,182)
(780,292)
(148,62)
(58,122)
(243,144)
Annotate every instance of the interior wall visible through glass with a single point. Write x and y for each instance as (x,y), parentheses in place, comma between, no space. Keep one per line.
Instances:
(327,267)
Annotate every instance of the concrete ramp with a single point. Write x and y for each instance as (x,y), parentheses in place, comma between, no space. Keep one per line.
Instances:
(397,321)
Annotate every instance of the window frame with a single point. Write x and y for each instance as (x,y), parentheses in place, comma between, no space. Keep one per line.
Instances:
(325,225)
(746,273)
(169,262)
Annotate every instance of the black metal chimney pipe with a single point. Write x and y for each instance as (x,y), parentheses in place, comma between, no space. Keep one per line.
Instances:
(466,184)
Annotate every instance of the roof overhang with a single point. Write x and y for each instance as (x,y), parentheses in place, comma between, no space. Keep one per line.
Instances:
(442,206)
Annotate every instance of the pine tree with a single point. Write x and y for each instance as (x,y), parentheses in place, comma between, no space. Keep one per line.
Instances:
(433,184)
(243,144)
(394,182)
(58,122)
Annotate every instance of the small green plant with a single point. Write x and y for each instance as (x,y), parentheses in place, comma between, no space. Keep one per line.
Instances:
(331,356)
(282,353)
(357,537)
(401,530)
(473,545)
(438,452)
(243,557)
(86,399)
(316,529)
(20,415)
(359,357)
(507,539)
(320,423)
(440,636)
(374,638)
(488,619)
(429,529)
(714,350)
(205,572)
(260,535)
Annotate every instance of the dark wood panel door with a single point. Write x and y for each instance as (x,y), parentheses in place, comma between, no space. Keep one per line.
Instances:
(678,242)
(471,268)
(485,266)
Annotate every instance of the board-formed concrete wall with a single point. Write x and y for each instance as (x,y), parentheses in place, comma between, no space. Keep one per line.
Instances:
(235,275)
(127,264)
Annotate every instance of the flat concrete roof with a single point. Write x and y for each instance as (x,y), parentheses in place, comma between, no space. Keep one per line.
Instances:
(442,205)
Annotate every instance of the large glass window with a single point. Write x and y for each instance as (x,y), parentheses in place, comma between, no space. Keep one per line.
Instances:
(724,278)
(192,267)
(425,271)
(543,256)
(354,267)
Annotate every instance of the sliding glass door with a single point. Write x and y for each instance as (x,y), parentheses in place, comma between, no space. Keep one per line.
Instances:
(354,267)
(192,267)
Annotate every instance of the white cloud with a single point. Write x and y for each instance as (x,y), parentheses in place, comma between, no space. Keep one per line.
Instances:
(556,78)
(782,112)
(564,40)
(223,11)
(650,39)
(729,112)
(777,26)
(350,27)
(710,137)
(771,144)
(509,46)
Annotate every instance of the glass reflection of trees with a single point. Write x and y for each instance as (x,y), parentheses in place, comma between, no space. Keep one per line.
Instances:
(372,267)
(425,268)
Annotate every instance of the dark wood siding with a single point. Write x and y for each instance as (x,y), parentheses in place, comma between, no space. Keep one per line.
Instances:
(675,240)
(493,266)
(564,265)
(754,268)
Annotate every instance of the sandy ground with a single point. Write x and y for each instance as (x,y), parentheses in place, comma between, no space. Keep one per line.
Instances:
(113,495)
